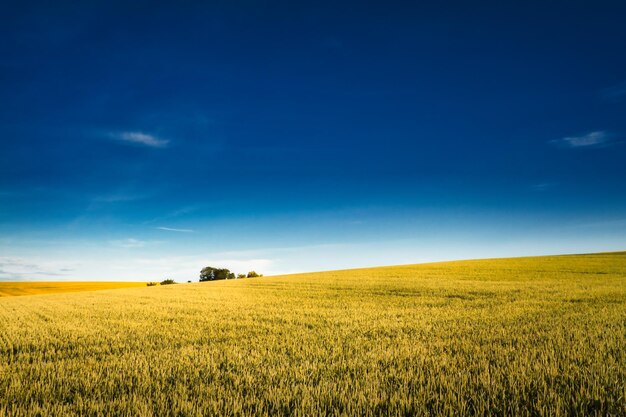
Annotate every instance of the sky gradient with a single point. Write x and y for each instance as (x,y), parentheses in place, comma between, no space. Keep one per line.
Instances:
(145,141)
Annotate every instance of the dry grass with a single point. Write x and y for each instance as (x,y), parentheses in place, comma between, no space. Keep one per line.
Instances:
(10,289)
(527,336)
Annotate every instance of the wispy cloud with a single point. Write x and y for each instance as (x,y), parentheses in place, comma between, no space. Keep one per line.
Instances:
(141,138)
(118,198)
(20,269)
(174,214)
(592,139)
(543,186)
(128,243)
(171,229)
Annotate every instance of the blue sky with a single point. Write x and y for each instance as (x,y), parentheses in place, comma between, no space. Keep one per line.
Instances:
(145,141)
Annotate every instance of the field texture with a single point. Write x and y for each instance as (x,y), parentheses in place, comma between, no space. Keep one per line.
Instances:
(9,289)
(527,336)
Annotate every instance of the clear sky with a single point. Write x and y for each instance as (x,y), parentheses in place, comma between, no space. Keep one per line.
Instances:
(144,141)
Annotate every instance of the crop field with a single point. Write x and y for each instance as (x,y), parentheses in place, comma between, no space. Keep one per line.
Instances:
(9,289)
(524,336)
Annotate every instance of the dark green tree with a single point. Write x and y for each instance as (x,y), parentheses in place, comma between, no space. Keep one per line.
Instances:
(210,273)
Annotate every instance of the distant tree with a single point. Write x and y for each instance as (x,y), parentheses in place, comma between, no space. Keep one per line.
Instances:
(188,282)
(168,282)
(152,284)
(210,273)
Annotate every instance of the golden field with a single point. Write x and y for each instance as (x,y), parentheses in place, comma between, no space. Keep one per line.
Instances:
(524,336)
(9,289)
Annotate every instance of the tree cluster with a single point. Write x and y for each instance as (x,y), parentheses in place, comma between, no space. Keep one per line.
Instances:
(213,274)
(164,282)
(210,273)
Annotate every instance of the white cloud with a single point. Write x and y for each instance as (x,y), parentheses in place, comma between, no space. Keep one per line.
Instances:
(171,229)
(176,213)
(543,186)
(129,243)
(117,198)
(20,269)
(592,139)
(125,267)
(142,139)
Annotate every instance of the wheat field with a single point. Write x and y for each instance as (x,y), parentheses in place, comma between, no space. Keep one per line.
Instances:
(524,336)
(11,289)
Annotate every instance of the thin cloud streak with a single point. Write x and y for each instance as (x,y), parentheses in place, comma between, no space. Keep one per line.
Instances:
(118,198)
(174,214)
(141,138)
(591,139)
(128,243)
(544,186)
(20,269)
(171,229)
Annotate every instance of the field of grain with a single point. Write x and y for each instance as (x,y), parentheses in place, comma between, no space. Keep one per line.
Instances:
(10,289)
(526,336)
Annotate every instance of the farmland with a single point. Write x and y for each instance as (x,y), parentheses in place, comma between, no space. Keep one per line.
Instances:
(520,336)
(10,289)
